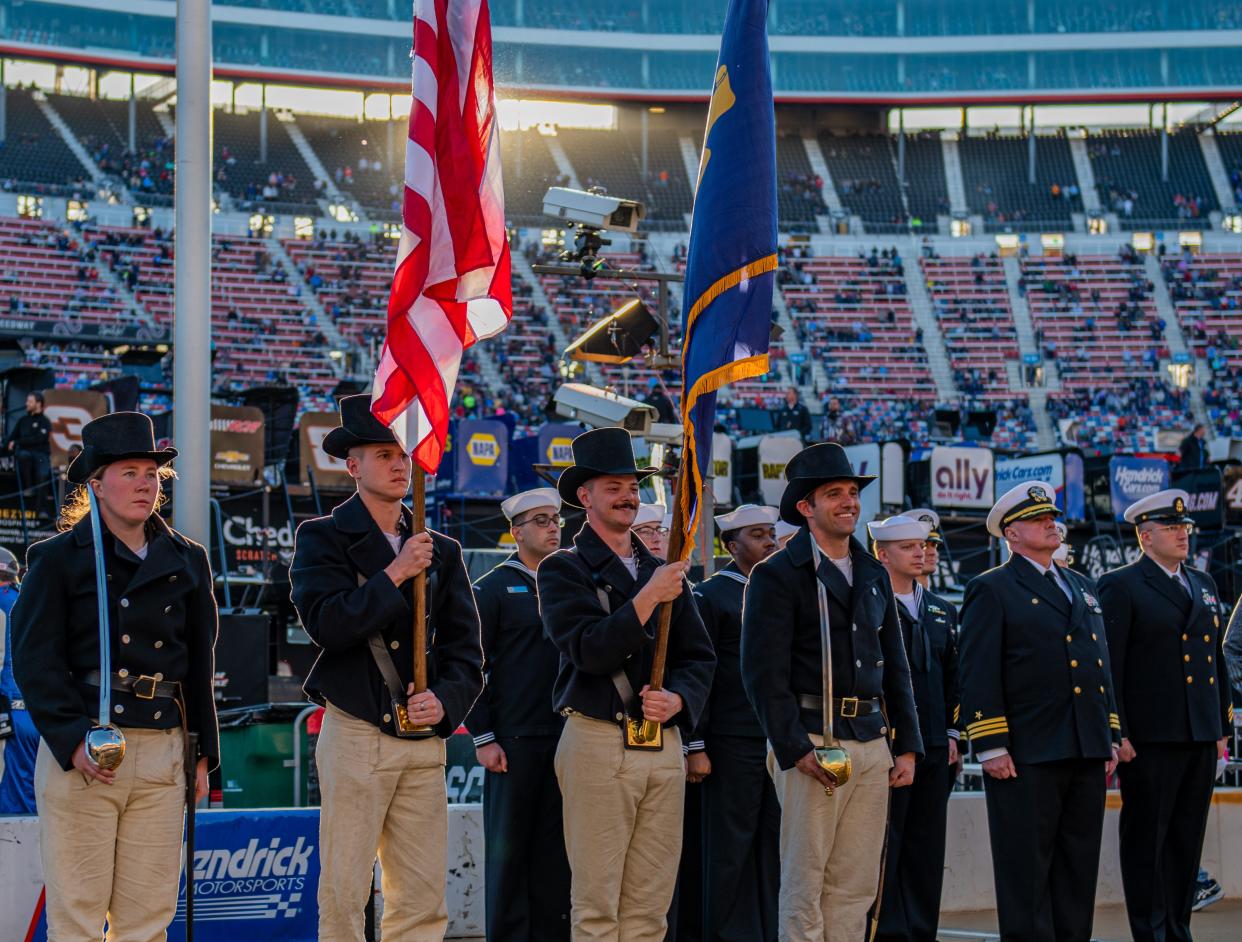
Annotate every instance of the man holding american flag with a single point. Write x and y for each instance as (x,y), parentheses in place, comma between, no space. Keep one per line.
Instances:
(363,577)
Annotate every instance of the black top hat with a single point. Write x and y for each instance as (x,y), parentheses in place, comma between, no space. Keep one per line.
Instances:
(810,468)
(597,452)
(358,427)
(116,437)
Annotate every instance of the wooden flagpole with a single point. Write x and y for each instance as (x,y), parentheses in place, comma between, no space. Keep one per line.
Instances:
(420,584)
(676,548)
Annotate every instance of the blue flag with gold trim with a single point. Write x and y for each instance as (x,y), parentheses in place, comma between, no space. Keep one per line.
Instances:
(731,264)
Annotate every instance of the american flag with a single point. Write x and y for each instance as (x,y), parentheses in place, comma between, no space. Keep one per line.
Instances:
(451,286)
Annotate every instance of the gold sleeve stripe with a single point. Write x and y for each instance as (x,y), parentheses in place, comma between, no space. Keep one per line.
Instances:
(988,727)
(957,713)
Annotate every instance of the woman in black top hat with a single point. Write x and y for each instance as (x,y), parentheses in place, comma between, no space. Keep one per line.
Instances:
(111,789)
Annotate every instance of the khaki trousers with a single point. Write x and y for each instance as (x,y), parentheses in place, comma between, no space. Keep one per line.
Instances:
(380,795)
(113,851)
(831,846)
(623,813)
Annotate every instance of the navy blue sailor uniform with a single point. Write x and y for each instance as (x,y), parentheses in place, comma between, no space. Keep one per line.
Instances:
(526,873)
(1165,638)
(1036,682)
(740,813)
(918,815)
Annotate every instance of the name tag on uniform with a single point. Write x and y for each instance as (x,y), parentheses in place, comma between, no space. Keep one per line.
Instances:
(519,588)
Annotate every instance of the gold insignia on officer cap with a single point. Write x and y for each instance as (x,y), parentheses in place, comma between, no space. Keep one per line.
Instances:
(1023,502)
(1167,506)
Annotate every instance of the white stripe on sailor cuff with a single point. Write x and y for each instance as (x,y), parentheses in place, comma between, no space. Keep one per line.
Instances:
(483,739)
(695,745)
(955,734)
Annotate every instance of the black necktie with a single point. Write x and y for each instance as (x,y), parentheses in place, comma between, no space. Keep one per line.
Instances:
(919,641)
(1056,585)
(1181,586)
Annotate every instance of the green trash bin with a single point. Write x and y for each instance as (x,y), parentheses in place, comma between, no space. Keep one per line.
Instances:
(256,755)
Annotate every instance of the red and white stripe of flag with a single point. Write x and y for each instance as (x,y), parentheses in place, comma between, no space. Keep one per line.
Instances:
(451,286)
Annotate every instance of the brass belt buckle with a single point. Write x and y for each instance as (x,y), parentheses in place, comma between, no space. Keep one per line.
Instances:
(144,687)
(849,708)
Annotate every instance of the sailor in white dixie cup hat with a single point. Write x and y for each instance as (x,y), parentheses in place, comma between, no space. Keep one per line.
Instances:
(728,752)
(1061,555)
(651,525)
(918,815)
(515,730)
(1037,701)
(785,532)
(1164,621)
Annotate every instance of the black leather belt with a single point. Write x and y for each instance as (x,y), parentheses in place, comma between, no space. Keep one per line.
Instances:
(143,686)
(846,707)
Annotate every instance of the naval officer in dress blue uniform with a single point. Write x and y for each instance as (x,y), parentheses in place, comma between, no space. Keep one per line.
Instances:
(1164,634)
(918,815)
(515,733)
(1037,701)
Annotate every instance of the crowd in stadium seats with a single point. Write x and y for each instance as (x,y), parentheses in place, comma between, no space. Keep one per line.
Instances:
(1094,316)
(1125,417)
(1127,166)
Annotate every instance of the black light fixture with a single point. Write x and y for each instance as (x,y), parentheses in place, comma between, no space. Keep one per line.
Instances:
(628,332)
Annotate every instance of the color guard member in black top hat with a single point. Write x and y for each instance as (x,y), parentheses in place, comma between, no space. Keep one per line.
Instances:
(1165,637)
(111,838)
(382,783)
(600,600)
(824,598)
(1038,705)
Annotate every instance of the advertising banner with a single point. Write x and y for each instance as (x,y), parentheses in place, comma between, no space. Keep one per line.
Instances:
(236,444)
(1130,479)
(722,470)
(1233,493)
(257,533)
(1204,487)
(1075,487)
(893,474)
(481,458)
(866,460)
(962,478)
(555,444)
(1048,467)
(68,410)
(328,472)
(774,453)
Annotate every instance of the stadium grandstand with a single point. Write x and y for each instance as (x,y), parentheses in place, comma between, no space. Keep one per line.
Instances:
(1011,226)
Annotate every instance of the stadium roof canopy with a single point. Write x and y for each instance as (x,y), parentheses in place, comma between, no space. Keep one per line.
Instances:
(894,52)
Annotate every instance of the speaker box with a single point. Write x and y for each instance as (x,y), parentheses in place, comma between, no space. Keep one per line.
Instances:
(242,658)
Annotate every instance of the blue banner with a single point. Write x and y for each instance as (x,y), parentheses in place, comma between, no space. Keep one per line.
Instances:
(1131,479)
(732,260)
(1075,487)
(481,458)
